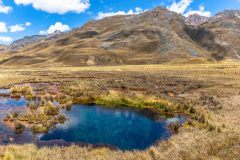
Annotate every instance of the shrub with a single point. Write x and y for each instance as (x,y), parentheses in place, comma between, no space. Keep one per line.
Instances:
(189,122)
(11,116)
(36,117)
(32,105)
(50,109)
(68,105)
(174,126)
(19,127)
(39,128)
(211,127)
(61,118)
(15,95)
(26,89)
(192,110)
(201,119)
(30,96)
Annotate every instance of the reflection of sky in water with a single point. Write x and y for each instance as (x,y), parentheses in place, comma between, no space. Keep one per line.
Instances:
(7,105)
(175,119)
(12,102)
(123,128)
(4,91)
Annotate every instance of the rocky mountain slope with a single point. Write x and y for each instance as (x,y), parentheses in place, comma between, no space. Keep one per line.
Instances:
(155,36)
(26,41)
(21,43)
(220,35)
(196,20)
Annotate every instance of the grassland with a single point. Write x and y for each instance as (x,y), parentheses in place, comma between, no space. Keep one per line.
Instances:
(213,89)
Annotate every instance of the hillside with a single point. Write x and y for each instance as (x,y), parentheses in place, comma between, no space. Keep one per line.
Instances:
(220,35)
(153,37)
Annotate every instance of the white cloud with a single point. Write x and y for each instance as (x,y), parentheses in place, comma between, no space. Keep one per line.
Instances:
(180,7)
(17,28)
(58,26)
(200,12)
(28,24)
(102,15)
(3,27)
(4,9)
(57,6)
(5,39)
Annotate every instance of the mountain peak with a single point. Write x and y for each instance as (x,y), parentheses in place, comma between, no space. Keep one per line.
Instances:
(196,20)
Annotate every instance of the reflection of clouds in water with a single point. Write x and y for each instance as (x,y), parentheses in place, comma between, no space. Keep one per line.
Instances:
(71,122)
(4,91)
(117,113)
(13,103)
(3,100)
(174,119)
(125,129)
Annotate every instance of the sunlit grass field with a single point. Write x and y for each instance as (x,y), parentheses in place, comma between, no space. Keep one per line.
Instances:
(183,82)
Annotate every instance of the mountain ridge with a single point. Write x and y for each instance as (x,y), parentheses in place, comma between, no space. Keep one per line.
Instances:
(155,36)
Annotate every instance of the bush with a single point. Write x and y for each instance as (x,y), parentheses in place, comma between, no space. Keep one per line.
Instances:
(39,128)
(201,119)
(192,110)
(15,95)
(174,126)
(68,105)
(32,105)
(50,109)
(19,128)
(61,118)
(210,127)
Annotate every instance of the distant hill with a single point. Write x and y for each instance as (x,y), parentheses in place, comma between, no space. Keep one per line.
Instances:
(3,47)
(153,37)
(21,43)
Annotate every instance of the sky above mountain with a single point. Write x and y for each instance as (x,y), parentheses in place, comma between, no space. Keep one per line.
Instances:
(19,18)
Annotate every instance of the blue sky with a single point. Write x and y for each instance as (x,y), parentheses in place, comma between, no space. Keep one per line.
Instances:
(19,18)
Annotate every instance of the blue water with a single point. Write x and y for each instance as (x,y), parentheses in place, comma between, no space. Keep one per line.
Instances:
(4,91)
(122,128)
(13,102)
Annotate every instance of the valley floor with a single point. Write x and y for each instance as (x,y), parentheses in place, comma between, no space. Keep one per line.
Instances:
(212,88)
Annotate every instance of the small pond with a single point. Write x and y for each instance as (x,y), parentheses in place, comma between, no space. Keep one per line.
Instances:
(118,127)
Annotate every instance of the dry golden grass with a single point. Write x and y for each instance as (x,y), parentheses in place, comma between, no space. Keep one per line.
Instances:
(220,80)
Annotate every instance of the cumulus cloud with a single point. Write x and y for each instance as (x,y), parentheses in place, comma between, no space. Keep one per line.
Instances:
(182,6)
(4,9)
(28,24)
(57,6)
(58,26)
(102,15)
(5,39)
(200,12)
(17,28)
(3,27)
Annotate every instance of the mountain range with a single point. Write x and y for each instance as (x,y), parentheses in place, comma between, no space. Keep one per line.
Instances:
(153,37)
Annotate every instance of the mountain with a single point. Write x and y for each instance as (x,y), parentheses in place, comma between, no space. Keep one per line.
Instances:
(153,37)
(220,35)
(21,43)
(196,20)
(26,41)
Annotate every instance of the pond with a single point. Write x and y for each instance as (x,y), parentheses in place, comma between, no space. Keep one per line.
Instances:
(117,127)
(123,128)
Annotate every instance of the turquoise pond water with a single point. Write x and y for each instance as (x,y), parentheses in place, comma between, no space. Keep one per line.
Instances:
(122,128)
